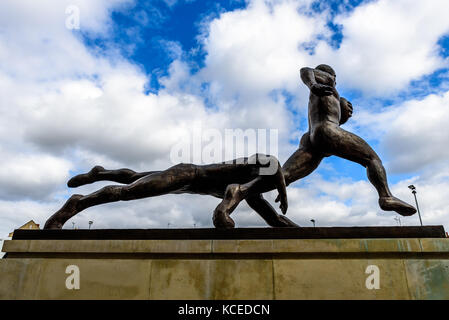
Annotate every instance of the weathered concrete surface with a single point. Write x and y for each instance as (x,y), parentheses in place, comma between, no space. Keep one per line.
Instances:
(277,246)
(99,279)
(226,269)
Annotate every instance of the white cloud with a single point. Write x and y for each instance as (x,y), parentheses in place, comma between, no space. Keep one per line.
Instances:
(413,134)
(262,47)
(35,176)
(253,51)
(36,45)
(387,43)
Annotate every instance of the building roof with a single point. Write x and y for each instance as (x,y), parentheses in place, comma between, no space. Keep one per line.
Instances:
(29,225)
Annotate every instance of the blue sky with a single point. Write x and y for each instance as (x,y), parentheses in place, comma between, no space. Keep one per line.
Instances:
(120,90)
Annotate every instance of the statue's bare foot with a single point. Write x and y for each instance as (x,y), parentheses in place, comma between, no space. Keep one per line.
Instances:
(394,204)
(85,178)
(68,210)
(233,196)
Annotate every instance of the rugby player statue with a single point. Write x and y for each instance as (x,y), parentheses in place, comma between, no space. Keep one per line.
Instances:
(246,178)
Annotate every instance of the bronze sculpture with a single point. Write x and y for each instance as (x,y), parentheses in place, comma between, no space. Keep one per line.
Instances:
(241,180)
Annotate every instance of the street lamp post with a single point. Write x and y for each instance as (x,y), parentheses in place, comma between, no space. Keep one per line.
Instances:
(90,224)
(413,188)
(313,221)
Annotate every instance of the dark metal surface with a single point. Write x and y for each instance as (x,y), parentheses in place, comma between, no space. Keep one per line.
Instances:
(237,233)
(238,181)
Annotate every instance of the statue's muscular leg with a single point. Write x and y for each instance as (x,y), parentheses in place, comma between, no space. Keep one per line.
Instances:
(303,162)
(155,184)
(235,193)
(99,173)
(347,145)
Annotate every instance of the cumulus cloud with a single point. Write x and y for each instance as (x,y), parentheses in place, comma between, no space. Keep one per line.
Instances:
(33,176)
(39,31)
(262,47)
(413,133)
(256,50)
(386,44)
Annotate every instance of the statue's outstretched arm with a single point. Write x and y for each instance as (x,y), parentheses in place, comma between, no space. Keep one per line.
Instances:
(282,190)
(308,77)
(268,213)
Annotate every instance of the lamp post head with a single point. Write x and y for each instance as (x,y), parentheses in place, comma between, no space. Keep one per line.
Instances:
(413,188)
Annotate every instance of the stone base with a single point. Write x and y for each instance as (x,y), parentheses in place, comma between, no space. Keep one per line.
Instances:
(409,268)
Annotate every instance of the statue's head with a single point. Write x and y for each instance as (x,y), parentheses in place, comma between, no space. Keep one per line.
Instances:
(326,68)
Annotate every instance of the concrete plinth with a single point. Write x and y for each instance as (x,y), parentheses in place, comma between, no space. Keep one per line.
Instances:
(409,268)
